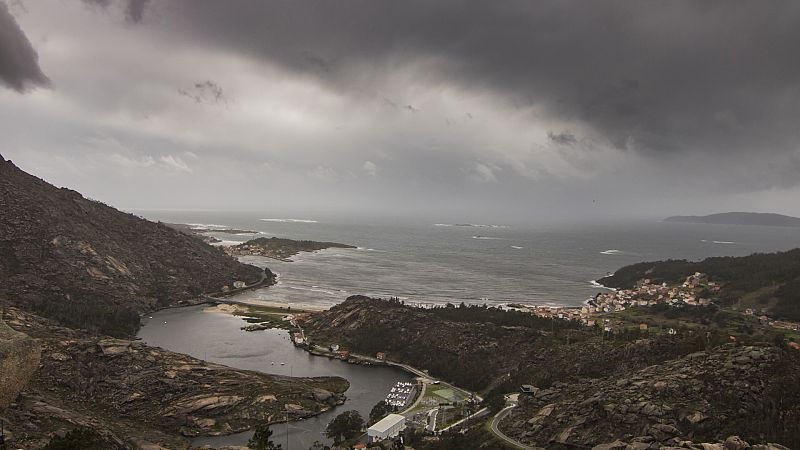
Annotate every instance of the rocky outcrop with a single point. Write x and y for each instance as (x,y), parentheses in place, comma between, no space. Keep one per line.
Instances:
(705,395)
(731,443)
(19,359)
(91,266)
(137,395)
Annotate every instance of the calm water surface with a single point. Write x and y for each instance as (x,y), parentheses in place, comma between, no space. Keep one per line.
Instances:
(216,337)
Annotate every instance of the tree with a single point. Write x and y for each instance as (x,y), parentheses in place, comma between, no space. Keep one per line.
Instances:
(261,439)
(379,411)
(317,445)
(345,426)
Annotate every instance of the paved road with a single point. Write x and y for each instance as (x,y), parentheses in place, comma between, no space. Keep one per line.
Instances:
(477,415)
(432,419)
(496,420)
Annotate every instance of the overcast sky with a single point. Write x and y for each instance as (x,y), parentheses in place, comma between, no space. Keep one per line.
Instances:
(476,111)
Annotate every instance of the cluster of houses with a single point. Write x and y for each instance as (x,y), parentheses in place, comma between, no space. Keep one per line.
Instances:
(401,394)
(694,291)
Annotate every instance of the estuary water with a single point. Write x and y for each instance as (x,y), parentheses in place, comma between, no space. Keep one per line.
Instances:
(207,334)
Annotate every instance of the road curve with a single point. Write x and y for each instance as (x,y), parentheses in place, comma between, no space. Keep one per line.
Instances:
(496,420)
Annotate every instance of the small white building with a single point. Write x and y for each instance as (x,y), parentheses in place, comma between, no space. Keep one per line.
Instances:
(387,428)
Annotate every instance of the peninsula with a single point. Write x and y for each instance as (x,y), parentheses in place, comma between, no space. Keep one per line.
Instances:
(279,248)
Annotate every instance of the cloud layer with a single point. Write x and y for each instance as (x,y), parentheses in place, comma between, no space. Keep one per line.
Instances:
(19,63)
(450,107)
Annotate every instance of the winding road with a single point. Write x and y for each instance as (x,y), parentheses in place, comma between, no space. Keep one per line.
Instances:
(496,430)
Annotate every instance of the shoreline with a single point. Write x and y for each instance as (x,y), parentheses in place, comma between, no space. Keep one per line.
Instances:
(209,299)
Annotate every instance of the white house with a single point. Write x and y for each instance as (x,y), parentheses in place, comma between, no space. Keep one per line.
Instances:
(387,428)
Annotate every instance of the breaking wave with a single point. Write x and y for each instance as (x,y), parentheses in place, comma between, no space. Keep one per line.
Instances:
(611,252)
(290,220)
(206,226)
(473,225)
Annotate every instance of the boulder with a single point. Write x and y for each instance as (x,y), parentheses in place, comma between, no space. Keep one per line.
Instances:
(696,417)
(736,443)
(19,358)
(322,395)
(616,445)
(113,347)
(662,432)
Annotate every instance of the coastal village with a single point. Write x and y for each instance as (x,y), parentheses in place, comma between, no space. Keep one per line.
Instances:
(696,290)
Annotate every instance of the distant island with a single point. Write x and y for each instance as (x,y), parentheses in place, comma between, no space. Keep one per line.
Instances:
(279,248)
(740,218)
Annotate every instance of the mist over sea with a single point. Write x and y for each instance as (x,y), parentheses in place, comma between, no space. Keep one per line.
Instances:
(440,263)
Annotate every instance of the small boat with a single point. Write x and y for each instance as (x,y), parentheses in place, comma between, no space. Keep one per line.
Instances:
(273,363)
(283,364)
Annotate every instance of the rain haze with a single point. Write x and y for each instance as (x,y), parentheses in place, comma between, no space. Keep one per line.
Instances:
(449,110)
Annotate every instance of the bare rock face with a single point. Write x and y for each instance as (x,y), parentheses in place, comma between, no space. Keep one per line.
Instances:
(19,359)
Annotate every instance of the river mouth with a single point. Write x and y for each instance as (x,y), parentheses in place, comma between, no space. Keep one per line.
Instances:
(205,333)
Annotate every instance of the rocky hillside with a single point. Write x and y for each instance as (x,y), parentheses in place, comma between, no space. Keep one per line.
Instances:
(748,390)
(480,348)
(591,389)
(91,266)
(467,353)
(136,396)
(19,359)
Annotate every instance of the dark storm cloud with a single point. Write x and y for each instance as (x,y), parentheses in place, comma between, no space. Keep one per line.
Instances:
(19,63)
(205,92)
(134,11)
(562,138)
(651,76)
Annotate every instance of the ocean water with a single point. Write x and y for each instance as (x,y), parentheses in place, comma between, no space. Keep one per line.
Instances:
(440,263)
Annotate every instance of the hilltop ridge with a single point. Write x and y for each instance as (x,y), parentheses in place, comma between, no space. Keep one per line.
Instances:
(91,266)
